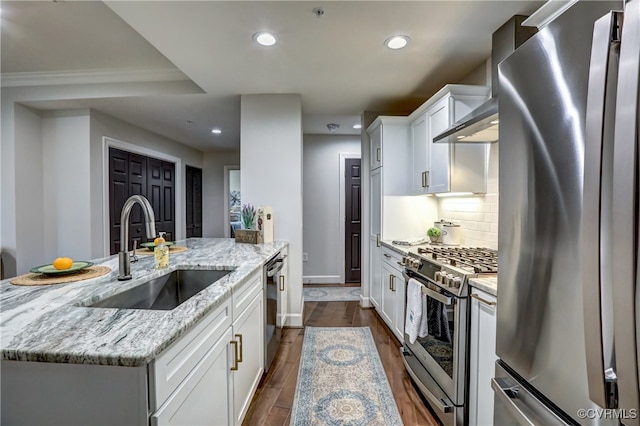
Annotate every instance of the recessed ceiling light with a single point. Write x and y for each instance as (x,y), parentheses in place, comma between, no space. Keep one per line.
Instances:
(216,131)
(397,42)
(265,39)
(357,126)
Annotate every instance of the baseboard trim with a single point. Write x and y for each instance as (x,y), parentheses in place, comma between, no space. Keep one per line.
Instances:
(365,302)
(321,279)
(294,321)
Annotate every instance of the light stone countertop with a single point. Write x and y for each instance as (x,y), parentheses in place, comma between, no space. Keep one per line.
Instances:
(486,284)
(51,323)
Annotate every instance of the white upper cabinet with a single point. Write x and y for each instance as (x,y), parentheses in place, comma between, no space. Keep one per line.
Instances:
(376,147)
(440,168)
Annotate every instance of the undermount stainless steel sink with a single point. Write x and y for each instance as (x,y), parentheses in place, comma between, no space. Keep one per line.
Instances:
(165,292)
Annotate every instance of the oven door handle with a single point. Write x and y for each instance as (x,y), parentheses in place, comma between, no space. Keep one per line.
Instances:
(439,297)
(433,294)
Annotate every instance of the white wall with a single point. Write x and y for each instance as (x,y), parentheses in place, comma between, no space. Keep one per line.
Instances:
(213,218)
(321,206)
(67,189)
(144,142)
(29,195)
(271,175)
(477,215)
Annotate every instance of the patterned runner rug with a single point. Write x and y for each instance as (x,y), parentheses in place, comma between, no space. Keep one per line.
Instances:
(341,380)
(331,294)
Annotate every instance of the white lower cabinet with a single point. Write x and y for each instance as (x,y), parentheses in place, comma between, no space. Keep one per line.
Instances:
(209,375)
(391,307)
(248,332)
(482,357)
(203,398)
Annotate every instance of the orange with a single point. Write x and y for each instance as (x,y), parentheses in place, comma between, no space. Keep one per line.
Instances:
(63,263)
(158,240)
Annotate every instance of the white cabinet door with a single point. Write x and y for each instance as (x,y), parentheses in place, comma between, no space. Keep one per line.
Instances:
(376,148)
(248,333)
(375,228)
(482,357)
(375,268)
(420,156)
(283,288)
(437,122)
(203,397)
(400,288)
(387,311)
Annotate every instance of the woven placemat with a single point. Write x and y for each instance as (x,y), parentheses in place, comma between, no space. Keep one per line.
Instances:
(172,249)
(42,279)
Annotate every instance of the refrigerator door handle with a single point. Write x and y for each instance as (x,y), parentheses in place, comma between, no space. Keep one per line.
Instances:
(626,293)
(596,211)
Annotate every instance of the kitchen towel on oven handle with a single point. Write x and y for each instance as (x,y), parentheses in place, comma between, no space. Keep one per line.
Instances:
(414,309)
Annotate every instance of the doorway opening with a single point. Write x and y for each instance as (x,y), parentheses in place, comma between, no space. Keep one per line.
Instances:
(232,200)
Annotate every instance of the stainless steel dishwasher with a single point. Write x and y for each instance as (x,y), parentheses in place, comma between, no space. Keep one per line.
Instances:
(272,331)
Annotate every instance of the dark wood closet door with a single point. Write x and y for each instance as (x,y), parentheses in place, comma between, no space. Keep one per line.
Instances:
(135,174)
(194,201)
(353,221)
(161,195)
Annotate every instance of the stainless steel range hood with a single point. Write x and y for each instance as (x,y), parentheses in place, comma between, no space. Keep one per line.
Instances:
(481,124)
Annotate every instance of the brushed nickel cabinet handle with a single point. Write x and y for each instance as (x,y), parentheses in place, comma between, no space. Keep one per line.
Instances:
(235,355)
(378,155)
(386,255)
(377,240)
(393,282)
(281,282)
(426,179)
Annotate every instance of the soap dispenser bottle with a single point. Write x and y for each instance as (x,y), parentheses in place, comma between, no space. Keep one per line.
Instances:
(161,252)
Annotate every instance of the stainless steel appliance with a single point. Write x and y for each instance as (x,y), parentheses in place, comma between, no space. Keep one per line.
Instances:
(273,330)
(437,363)
(568,226)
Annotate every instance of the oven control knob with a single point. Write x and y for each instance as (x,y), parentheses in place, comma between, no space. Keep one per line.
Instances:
(437,277)
(449,281)
(456,282)
(415,263)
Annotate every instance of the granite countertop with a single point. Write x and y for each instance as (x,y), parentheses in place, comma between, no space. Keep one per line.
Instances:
(51,323)
(487,284)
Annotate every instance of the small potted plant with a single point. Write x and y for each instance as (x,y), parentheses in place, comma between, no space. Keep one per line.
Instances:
(248,234)
(247,216)
(434,234)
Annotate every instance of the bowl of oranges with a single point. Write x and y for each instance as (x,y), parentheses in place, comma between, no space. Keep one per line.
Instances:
(61,266)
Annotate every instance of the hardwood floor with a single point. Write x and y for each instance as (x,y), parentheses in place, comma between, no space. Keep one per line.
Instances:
(274,398)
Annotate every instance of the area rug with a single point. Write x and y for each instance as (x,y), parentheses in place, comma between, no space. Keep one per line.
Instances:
(331,294)
(341,380)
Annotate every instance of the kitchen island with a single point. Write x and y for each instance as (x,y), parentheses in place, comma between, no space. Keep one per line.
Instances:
(50,335)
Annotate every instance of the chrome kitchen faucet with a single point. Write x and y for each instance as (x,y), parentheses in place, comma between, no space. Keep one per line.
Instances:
(124,272)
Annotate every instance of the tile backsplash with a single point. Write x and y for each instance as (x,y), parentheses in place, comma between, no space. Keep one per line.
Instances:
(477,215)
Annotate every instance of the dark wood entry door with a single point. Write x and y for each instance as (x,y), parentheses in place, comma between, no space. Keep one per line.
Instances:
(134,174)
(194,201)
(353,220)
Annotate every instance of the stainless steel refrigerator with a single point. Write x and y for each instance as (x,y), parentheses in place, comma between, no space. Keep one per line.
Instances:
(569,318)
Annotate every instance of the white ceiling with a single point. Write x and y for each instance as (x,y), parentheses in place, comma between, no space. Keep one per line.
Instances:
(337,62)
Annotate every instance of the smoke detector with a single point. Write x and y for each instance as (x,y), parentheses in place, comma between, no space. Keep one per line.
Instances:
(333,127)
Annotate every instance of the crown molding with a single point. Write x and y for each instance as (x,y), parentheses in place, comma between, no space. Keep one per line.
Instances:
(56,78)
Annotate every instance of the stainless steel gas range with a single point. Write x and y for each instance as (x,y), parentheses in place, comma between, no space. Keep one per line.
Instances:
(437,359)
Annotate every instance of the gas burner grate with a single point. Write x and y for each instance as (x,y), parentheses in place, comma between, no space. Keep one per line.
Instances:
(481,260)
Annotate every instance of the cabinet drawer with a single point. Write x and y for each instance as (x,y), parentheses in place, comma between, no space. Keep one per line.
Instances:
(393,258)
(175,363)
(243,295)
